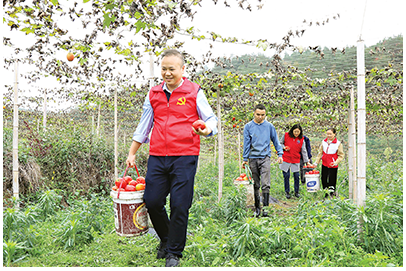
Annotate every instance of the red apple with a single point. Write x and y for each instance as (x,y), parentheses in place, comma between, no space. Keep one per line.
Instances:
(121,183)
(70,56)
(140,186)
(140,180)
(128,179)
(199,124)
(130,188)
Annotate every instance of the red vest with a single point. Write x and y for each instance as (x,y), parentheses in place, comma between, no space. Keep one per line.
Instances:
(172,134)
(293,155)
(330,152)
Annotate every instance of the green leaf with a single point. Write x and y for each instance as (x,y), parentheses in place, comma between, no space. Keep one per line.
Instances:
(27,30)
(139,25)
(54,2)
(107,19)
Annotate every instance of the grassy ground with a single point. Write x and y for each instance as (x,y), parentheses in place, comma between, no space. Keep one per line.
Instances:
(298,232)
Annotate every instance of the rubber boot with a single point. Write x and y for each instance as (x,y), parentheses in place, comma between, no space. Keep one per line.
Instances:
(257,211)
(266,204)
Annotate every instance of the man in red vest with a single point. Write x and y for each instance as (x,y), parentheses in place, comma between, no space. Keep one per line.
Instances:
(171,108)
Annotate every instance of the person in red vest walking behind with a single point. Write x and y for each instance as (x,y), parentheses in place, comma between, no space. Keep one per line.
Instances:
(293,145)
(171,108)
(331,154)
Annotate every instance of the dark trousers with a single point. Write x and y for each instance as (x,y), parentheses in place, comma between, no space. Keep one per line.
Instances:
(172,175)
(286,177)
(261,173)
(329,177)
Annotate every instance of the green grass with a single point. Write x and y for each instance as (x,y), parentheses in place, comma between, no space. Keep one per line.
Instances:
(304,232)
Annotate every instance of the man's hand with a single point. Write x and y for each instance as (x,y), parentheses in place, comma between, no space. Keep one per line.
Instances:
(131,154)
(244,163)
(130,161)
(203,132)
(280,160)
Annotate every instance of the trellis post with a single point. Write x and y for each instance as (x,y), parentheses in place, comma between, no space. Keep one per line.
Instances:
(15,137)
(115,136)
(361,145)
(44,118)
(352,152)
(221,147)
(239,151)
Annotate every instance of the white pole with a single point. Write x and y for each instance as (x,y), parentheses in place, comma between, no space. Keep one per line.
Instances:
(221,148)
(350,146)
(115,136)
(98,121)
(44,119)
(151,70)
(215,151)
(361,179)
(239,151)
(92,124)
(353,154)
(15,136)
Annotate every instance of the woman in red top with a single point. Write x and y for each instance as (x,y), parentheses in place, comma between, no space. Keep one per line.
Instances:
(293,144)
(331,154)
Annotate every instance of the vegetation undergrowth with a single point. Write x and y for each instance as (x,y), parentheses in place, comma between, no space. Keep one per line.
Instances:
(309,231)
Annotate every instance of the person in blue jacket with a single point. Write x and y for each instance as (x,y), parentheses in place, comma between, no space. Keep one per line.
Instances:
(257,136)
(309,156)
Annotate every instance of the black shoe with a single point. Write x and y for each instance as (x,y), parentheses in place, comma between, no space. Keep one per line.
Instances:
(297,195)
(257,212)
(266,204)
(172,260)
(257,199)
(161,251)
(288,195)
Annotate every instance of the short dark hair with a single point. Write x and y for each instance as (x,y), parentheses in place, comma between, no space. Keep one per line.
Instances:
(260,107)
(174,52)
(332,129)
(296,126)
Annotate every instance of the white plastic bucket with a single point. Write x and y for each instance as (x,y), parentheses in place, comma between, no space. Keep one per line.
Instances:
(312,182)
(250,191)
(130,213)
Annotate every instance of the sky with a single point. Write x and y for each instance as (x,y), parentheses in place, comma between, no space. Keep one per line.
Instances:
(369,20)
(372,20)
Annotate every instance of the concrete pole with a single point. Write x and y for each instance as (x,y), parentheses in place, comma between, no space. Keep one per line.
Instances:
(221,148)
(15,137)
(361,178)
(354,149)
(44,118)
(115,136)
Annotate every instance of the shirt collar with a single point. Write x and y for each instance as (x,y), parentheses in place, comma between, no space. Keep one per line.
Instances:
(167,89)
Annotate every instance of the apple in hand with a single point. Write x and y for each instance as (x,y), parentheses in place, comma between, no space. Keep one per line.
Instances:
(199,124)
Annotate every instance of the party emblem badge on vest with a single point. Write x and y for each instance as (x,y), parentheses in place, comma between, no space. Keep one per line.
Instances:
(181,101)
